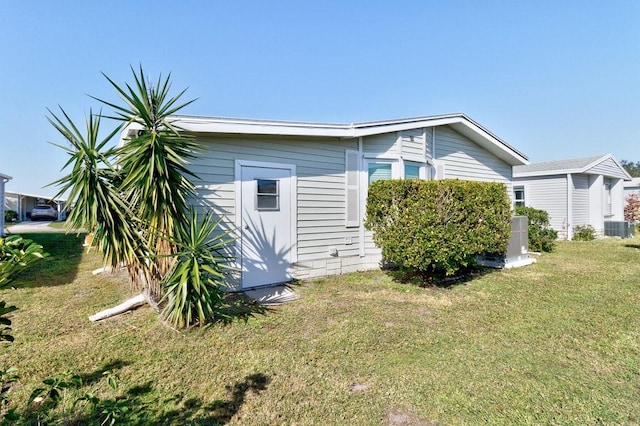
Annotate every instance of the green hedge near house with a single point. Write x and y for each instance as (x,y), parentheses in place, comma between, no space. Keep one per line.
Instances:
(438,226)
(541,236)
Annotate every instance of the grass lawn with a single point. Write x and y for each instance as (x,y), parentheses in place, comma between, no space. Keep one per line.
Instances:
(557,342)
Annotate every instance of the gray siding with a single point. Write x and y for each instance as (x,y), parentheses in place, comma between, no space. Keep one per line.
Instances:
(320,186)
(548,193)
(580,200)
(413,144)
(380,144)
(466,160)
(607,168)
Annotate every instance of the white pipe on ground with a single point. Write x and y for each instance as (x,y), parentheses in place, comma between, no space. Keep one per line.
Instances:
(125,306)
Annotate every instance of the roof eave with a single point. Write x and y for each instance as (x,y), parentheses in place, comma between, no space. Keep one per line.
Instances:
(459,122)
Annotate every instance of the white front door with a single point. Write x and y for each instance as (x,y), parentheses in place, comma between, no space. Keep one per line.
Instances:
(266,237)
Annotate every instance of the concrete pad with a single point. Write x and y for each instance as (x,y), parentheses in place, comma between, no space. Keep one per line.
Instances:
(272,295)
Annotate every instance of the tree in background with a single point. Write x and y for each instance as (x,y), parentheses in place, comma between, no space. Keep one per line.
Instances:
(632,208)
(632,168)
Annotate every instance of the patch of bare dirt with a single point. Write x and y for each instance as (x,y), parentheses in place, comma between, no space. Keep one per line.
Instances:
(399,417)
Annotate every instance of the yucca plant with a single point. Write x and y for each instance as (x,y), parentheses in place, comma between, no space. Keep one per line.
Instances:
(193,287)
(155,180)
(134,197)
(92,184)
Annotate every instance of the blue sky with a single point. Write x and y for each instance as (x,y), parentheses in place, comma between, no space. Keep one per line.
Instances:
(555,79)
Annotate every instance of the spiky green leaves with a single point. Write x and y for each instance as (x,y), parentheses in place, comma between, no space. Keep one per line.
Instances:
(192,288)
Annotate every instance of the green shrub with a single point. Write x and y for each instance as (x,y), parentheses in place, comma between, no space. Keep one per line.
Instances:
(438,226)
(10,216)
(17,253)
(541,236)
(584,233)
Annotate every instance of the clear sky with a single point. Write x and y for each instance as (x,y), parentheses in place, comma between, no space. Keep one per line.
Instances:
(555,79)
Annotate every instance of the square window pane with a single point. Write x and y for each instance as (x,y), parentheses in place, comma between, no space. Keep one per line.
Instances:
(411,171)
(267,194)
(267,202)
(267,186)
(379,171)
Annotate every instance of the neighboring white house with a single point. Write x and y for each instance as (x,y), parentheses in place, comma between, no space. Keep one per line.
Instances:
(296,192)
(3,179)
(578,191)
(632,187)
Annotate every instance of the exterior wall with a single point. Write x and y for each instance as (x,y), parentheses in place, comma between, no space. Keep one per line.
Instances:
(465,160)
(607,168)
(548,193)
(596,203)
(617,200)
(580,200)
(412,144)
(320,194)
(321,186)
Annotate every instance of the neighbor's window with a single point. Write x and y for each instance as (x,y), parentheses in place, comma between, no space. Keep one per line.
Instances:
(267,196)
(518,196)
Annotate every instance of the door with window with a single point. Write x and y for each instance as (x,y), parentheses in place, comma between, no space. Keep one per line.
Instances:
(265,227)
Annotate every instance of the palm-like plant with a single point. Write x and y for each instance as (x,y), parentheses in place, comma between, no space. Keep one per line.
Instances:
(192,288)
(153,168)
(92,184)
(135,198)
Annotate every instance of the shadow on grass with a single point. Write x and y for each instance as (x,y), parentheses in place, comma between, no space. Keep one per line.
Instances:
(634,246)
(219,412)
(237,306)
(60,267)
(96,375)
(437,279)
(135,406)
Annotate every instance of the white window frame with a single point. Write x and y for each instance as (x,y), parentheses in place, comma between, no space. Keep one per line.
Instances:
(422,169)
(516,199)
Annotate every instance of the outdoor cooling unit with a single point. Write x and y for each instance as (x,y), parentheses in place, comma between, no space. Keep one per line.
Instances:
(517,250)
(623,229)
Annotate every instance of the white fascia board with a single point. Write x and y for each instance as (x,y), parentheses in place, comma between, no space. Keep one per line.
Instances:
(360,130)
(345,131)
(258,127)
(6,178)
(546,173)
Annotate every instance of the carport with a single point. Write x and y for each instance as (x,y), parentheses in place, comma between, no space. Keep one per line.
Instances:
(23,203)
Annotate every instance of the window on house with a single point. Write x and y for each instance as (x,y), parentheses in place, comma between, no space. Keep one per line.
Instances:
(379,171)
(411,171)
(607,194)
(267,194)
(518,196)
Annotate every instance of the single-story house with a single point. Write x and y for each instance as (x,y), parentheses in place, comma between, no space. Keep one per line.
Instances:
(3,179)
(23,203)
(575,192)
(295,192)
(632,187)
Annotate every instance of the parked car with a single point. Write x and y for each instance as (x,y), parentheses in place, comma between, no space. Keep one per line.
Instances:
(44,212)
